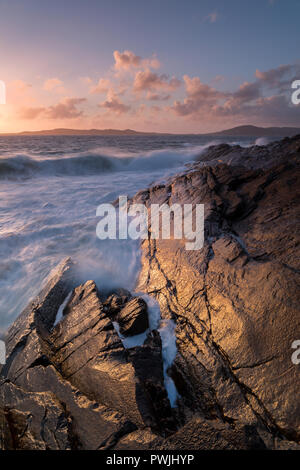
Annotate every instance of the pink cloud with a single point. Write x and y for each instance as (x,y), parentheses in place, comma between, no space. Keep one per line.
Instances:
(19,86)
(115,105)
(128,60)
(157,97)
(199,95)
(31,113)
(147,80)
(251,102)
(66,109)
(102,86)
(52,84)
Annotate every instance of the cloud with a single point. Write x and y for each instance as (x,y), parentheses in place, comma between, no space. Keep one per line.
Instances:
(199,96)
(279,77)
(147,80)
(130,98)
(212,17)
(266,99)
(65,109)
(113,104)
(128,60)
(102,86)
(19,86)
(157,97)
(53,84)
(31,113)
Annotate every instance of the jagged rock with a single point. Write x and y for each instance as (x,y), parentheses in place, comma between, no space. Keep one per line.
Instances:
(32,421)
(89,353)
(79,362)
(23,339)
(133,317)
(264,156)
(138,440)
(116,301)
(93,425)
(236,301)
(198,434)
(147,361)
(72,385)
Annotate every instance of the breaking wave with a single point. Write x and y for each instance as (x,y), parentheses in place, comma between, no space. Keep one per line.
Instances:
(27,166)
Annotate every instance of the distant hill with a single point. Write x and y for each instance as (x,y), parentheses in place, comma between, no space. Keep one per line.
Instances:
(82,132)
(254,131)
(240,131)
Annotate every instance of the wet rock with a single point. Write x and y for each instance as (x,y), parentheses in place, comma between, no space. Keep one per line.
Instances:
(235,301)
(199,434)
(32,421)
(148,364)
(79,362)
(116,301)
(89,353)
(133,317)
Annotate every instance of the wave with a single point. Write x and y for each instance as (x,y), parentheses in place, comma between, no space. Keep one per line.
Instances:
(94,163)
(261,141)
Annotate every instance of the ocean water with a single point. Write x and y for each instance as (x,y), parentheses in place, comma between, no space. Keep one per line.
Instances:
(50,188)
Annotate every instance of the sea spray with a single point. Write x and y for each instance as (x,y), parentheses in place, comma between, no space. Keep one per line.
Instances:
(47,206)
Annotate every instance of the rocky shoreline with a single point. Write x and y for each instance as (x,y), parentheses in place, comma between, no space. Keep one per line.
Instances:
(72,384)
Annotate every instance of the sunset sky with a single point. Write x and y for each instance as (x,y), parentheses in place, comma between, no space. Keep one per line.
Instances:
(167,65)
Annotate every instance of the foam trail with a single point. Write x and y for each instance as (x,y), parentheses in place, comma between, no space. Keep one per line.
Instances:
(131,341)
(166,329)
(169,351)
(60,311)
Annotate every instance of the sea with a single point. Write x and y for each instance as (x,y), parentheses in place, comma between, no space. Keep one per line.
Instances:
(50,188)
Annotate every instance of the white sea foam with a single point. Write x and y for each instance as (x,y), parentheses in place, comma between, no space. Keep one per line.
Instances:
(262,141)
(60,312)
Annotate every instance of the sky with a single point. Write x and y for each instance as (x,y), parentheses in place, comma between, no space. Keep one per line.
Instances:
(164,66)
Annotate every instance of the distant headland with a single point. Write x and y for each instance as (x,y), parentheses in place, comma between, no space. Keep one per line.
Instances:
(239,131)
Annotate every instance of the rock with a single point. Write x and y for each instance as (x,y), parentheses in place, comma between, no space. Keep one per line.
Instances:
(138,440)
(199,434)
(133,317)
(115,301)
(89,353)
(236,301)
(252,157)
(148,364)
(32,421)
(80,362)
(72,385)
(24,337)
